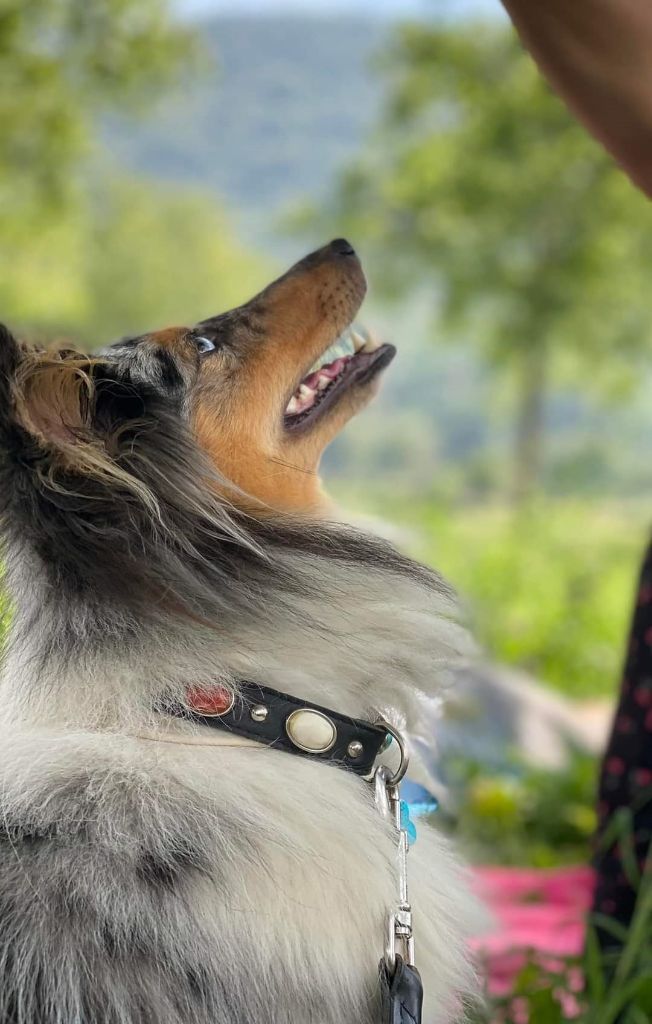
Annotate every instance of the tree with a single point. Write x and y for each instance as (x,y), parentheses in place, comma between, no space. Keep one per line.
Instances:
(153,256)
(130,256)
(61,63)
(536,246)
(84,251)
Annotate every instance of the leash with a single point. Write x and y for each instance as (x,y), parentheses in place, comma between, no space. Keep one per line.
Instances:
(283,722)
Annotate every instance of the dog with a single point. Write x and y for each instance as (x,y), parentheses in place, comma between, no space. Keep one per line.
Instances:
(164,528)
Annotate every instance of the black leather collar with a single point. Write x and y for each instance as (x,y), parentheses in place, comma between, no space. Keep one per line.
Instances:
(287,723)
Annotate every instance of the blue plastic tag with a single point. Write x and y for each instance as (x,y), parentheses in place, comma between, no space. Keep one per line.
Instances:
(407,824)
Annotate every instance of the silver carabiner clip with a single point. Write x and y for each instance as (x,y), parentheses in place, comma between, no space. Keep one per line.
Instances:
(399,930)
(399,935)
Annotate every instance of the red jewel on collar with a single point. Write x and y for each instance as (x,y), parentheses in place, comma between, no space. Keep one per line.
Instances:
(209,701)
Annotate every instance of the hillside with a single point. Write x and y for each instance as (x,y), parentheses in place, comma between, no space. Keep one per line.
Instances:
(284,103)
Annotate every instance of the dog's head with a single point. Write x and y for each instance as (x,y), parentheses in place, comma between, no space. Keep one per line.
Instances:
(263,388)
(187,426)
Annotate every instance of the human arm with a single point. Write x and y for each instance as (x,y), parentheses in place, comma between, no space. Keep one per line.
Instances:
(597,54)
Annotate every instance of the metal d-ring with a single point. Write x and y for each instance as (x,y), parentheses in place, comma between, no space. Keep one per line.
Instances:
(393,780)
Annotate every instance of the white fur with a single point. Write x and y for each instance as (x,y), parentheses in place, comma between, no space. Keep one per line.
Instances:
(311,865)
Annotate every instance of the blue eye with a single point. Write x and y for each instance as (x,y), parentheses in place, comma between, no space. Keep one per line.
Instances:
(204,345)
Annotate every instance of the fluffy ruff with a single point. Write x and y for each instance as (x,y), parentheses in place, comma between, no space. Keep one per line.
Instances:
(149,882)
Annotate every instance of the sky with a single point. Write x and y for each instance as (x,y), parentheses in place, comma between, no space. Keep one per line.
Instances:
(383,8)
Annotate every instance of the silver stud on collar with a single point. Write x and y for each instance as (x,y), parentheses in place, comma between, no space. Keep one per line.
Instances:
(259,713)
(311,730)
(354,748)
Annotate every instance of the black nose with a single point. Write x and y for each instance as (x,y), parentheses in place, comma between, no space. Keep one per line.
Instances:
(342,247)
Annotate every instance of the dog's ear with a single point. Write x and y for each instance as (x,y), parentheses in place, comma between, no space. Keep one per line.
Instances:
(70,419)
(52,398)
(44,396)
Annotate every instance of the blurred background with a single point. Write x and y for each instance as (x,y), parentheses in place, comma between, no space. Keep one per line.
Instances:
(161,161)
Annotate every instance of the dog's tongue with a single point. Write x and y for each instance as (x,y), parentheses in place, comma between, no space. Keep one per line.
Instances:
(331,371)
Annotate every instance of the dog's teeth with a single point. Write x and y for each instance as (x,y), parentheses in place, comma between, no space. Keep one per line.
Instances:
(371,344)
(292,406)
(358,341)
(346,346)
(305,392)
(323,383)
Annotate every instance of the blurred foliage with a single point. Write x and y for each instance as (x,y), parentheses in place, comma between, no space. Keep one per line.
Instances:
(480,185)
(129,257)
(529,816)
(85,250)
(157,256)
(62,62)
(549,590)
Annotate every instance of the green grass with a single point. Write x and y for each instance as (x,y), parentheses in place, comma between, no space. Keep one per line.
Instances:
(549,590)
(524,816)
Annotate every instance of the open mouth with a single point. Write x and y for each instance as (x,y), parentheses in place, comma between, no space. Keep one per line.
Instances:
(350,361)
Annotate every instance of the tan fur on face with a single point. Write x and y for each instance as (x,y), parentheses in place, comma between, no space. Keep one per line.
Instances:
(240,400)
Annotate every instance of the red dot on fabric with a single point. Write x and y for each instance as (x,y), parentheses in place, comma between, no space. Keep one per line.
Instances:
(643,696)
(624,724)
(615,765)
(645,595)
(214,700)
(642,776)
(648,721)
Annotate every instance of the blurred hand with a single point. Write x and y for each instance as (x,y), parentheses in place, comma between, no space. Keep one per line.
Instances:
(597,54)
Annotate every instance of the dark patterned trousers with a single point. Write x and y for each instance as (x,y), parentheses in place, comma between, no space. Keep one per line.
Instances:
(626,773)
